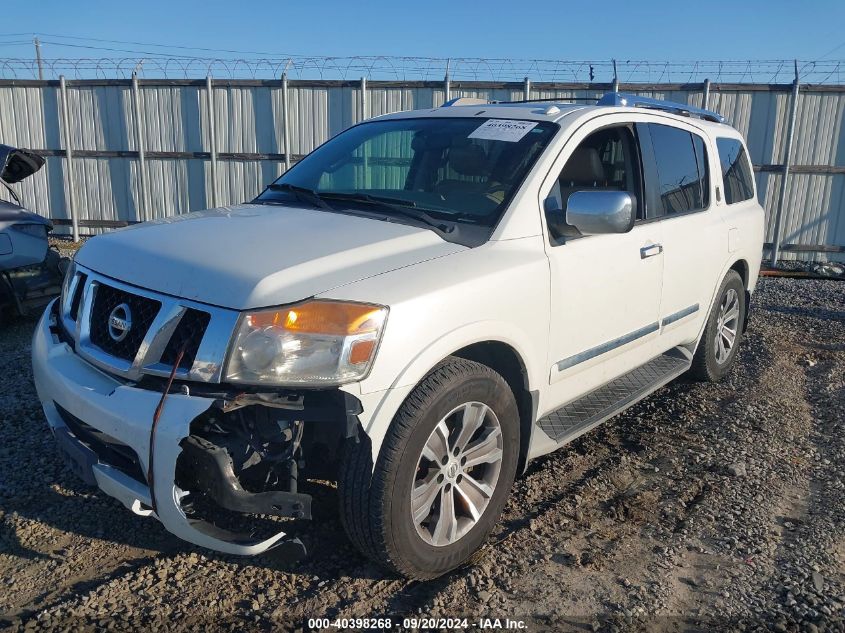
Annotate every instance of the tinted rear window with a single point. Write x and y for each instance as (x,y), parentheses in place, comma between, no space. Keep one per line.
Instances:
(681,164)
(736,172)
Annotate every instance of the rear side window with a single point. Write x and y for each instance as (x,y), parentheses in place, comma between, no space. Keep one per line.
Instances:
(736,172)
(681,162)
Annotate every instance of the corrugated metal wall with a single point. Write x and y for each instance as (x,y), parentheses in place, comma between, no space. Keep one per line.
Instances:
(249,121)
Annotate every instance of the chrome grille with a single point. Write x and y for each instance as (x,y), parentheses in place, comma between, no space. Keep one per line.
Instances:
(187,338)
(161,327)
(143,312)
(76,299)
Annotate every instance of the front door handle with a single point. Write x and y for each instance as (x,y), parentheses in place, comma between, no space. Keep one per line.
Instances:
(651,250)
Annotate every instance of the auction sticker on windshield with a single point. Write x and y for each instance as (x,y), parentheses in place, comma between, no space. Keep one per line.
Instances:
(503,130)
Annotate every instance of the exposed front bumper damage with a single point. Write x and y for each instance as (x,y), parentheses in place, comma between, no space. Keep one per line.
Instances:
(103,427)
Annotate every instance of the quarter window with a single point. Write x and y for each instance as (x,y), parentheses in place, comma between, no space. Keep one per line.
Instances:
(681,162)
(736,172)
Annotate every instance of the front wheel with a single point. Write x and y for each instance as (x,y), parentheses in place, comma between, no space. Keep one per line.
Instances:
(723,332)
(442,476)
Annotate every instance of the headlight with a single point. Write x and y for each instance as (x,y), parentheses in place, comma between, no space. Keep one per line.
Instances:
(316,343)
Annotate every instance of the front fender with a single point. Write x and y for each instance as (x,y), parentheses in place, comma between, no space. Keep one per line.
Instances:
(464,336)
(380,406)
(497,292)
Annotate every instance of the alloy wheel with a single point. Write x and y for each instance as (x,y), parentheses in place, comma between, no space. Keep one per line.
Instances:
(456,473)
(727,325)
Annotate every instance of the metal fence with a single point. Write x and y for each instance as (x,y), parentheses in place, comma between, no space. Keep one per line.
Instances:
(125,150)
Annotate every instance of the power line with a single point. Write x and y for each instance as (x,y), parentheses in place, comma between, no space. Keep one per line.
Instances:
(154,45)
(176,46)
(118,50)
(833,50)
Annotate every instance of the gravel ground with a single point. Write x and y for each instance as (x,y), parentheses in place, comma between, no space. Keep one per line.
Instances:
(704,507)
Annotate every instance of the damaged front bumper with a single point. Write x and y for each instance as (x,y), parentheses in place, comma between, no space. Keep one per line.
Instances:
(104,427)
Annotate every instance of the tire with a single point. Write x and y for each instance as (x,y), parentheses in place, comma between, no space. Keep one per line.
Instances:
(712,361)
(376,504)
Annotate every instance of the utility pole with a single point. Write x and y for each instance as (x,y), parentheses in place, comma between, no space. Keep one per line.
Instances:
(38,59)
(787,158)
(212,138)
(447,83)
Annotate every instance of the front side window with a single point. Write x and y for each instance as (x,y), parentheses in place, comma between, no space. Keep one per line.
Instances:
(451,170)
(607,160)
(736,172)
(681,163)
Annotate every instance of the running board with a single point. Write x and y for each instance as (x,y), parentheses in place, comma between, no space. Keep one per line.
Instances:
(579,416)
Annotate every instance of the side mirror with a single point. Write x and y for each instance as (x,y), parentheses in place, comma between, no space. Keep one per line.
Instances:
(17,164)
(597,212)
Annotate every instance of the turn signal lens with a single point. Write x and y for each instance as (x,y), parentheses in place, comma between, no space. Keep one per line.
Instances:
(362,351)
(322,317)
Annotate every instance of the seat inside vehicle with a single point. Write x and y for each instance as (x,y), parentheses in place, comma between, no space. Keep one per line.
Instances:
(467,167)
(602,162)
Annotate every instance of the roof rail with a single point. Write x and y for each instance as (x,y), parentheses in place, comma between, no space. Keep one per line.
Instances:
(545,99)
(635,101)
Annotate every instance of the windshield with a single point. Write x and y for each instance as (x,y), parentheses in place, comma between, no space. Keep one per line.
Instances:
(435,170)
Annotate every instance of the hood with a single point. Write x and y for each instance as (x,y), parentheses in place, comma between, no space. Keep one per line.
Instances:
(11,213)
(251,256)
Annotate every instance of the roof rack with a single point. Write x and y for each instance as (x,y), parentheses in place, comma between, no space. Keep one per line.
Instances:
(635,101)
(458,101)
(545,99)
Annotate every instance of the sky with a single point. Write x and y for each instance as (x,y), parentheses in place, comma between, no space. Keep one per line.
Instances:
(712,30)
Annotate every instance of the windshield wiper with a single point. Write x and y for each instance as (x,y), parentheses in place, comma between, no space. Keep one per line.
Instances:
(405,208)
(302,193)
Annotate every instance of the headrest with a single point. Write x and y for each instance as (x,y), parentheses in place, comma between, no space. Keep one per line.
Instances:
(468,160)
(584,166)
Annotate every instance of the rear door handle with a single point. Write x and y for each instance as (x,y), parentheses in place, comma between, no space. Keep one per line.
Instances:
(651,250)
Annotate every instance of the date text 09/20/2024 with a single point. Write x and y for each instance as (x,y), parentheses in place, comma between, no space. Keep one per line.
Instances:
(416,623)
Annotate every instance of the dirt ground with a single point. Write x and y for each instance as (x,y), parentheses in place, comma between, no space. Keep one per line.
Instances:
(704,507)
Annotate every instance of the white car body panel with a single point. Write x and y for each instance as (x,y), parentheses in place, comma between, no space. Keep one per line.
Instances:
(549,304)
(286,254)
(602,290)
(421,308)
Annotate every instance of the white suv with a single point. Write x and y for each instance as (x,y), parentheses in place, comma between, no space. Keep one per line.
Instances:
(416,309)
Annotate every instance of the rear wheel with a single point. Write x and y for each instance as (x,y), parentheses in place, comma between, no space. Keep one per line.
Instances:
(723,332)
(442,476)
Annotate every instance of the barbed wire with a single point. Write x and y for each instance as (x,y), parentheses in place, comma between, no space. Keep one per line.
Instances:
(160,66)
